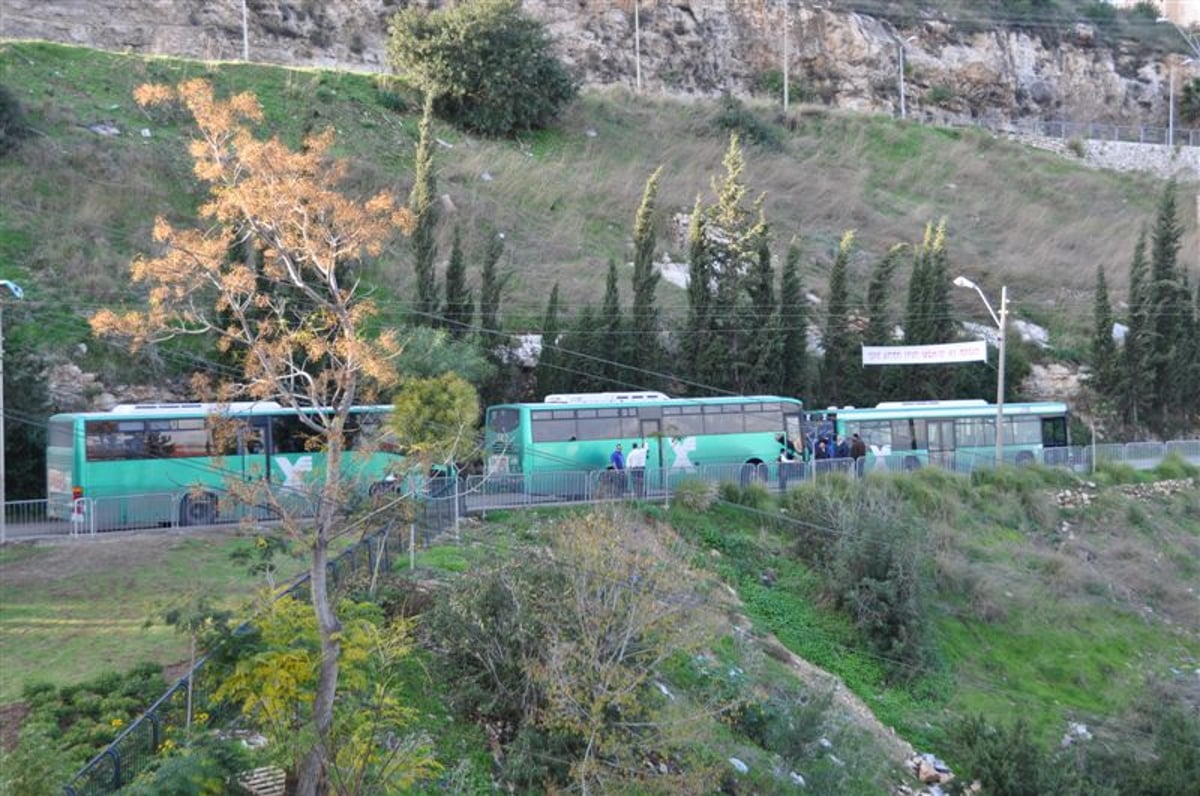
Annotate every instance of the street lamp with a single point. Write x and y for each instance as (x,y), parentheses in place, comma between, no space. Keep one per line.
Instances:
(7,288)
(1192,41)
(1002,326)
(900,48)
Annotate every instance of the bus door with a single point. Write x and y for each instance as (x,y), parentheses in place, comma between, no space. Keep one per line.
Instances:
(1055,441)
(941,443)
(658,458)
(252,449)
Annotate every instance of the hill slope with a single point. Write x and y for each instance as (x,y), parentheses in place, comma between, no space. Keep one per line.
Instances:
(79,197)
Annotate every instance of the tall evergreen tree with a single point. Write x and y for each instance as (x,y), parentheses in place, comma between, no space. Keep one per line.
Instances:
(1104,351)
(1169,300)
(876,383)
(839,371)
(644,351)
(1138,352)
(762,342)
(927,317)
(422,200)
(725,245)
(610,311)
(491,288)
(585,352)
(793,328)
(459,306)
(699,293)
(551,377)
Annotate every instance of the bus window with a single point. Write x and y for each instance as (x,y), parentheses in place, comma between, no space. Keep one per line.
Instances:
(757,420)
(550,429)
(113,440)
(288,435)
(1026,430)
(1054,432)
(62,435)
(502,421)
(724,423)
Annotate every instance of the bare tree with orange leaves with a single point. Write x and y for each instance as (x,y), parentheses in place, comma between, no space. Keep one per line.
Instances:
(293,313)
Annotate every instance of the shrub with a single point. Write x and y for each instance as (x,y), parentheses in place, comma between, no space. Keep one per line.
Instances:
(695,495)
(13,125)
(490,67)
(1076,147)
(940,95)
(735,117)
(753,494)
(1006,760)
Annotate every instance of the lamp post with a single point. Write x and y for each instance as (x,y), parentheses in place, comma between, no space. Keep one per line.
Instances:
(900,48)
(786,21)
(1002,325)
(7,288)
(1192,41)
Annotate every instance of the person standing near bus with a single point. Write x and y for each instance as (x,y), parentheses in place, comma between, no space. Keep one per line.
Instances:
(616,471)
(637,469)
(858,452)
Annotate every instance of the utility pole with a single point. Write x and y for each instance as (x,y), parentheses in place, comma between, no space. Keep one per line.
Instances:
(245,34)
(637,44)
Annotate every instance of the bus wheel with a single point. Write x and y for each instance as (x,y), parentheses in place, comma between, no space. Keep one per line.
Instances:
(1024,459)
(198,510)
(912,463)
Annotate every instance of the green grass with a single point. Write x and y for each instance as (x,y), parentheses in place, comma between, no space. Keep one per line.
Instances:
(70,611)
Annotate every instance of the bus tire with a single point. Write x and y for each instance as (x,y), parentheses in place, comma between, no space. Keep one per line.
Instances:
(198,510)
(911,463)
(1024,459)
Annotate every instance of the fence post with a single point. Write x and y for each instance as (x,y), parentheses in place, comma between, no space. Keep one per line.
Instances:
(412,546)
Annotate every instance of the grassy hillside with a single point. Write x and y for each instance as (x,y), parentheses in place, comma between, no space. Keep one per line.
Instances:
(78,204)
(1032,595)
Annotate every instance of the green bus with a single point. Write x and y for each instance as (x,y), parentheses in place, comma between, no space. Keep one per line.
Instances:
(953,434)
(168,463)
(579,433)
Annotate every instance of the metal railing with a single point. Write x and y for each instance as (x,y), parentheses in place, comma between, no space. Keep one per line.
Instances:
(1090,131)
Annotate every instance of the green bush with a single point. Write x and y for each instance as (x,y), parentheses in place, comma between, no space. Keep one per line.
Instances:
(490,68)
(754,495)
(695,495)
(1007,761)
(735,117)
(13,125)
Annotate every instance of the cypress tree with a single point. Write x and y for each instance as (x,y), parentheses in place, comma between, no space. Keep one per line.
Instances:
(491,287)
(927,319)
(879,322)
(550,376)
(459,307)
(793,328)
(422,201)
(699,294)
(1168,304)
(644,351)
(762,343)
(1104,351)
(610,312)
(838,369)
(1138,351)
(587,340)
(725,246)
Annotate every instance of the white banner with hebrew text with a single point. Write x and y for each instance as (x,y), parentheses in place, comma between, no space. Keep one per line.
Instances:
(974,351)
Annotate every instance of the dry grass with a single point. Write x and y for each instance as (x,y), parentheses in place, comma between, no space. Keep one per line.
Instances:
(78,206)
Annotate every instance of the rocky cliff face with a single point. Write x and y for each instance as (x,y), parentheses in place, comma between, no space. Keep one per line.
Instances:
(687,48)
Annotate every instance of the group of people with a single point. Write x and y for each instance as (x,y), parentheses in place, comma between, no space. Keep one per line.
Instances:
(635,463)
(826,447)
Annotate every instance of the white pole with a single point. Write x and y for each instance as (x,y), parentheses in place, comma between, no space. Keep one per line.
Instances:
(1000,378)
(786,21)
(900,46)
(245,34)
(1171,107)
(412,546)
(637,43)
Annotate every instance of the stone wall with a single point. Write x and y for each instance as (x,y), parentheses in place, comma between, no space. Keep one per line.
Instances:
(1164,161)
